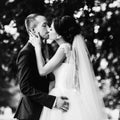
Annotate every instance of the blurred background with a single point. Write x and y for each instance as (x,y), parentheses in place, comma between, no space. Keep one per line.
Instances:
(100,25)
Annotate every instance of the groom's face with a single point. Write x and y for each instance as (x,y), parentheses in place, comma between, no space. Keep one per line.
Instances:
(42,27)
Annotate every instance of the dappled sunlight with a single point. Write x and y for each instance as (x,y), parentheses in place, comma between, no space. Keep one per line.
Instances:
(11,29)
(112,114)
(96,28)
(103,63)
(6,113)
(10,1)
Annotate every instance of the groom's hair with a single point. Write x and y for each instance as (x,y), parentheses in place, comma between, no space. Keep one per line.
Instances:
(31,21)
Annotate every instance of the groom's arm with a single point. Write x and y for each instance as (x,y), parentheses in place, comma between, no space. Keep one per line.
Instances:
(25,76)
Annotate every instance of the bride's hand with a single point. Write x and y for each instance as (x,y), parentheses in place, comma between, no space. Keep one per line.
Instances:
(35,40)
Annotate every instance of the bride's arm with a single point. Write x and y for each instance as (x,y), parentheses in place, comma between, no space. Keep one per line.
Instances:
(54,62)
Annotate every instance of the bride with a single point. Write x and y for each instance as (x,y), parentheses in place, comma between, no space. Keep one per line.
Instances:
(74,76)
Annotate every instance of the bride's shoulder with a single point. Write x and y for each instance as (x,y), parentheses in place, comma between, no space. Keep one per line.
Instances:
(66,47)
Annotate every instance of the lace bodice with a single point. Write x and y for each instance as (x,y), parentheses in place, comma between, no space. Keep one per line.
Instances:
(63,72)
(67,50)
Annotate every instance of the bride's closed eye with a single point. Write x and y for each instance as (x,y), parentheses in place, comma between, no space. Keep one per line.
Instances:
(50,29)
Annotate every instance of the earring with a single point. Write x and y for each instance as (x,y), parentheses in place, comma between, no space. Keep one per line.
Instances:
(58,36)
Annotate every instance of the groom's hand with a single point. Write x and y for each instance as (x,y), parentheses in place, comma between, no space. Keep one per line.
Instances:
(62,103)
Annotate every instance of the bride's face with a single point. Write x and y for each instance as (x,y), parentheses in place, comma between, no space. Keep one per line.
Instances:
(52,33)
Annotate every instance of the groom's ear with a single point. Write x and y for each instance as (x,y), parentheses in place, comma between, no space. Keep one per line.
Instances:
(33,30)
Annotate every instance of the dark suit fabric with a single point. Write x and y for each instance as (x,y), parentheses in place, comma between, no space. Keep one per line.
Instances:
(34,88)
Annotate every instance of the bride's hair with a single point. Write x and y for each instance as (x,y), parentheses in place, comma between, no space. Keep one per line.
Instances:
(67,27)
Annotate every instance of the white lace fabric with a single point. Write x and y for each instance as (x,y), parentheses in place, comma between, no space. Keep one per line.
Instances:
(75,79)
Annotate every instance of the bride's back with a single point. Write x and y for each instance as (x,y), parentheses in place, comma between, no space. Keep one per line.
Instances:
(64,72)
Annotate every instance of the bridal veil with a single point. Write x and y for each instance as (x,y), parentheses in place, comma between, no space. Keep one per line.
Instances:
(84,80)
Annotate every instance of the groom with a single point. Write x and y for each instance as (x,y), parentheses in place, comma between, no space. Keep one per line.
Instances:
(34,88)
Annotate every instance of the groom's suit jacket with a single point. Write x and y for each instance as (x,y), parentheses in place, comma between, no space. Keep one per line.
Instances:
(34,88)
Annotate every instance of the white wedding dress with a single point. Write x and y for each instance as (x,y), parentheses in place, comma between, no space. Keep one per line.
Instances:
(78,109)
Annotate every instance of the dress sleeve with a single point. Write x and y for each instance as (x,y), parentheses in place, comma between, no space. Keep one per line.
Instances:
(67,48)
